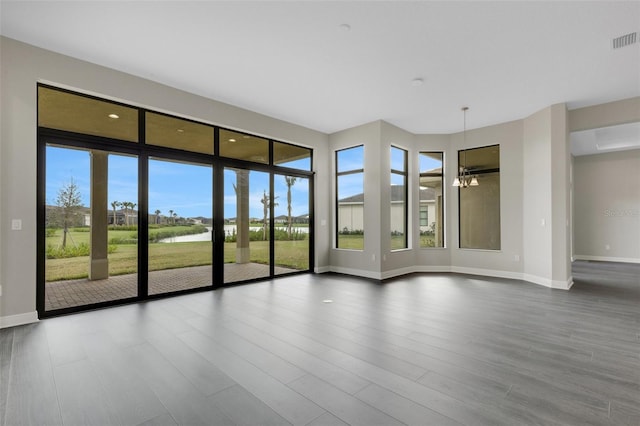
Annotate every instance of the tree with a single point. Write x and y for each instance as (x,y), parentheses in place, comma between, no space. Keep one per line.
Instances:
(266,204)
(170,214)
(290,180)
(115,205)
(132,206)
(125,205)
(69,201)
(157,213)
(175,216)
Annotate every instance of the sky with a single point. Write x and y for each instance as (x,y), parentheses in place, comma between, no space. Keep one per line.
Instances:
(186,189)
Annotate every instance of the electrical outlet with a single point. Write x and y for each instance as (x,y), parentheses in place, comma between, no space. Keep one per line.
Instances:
(16,224)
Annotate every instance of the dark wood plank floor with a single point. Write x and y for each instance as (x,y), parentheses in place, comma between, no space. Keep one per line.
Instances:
(425,349)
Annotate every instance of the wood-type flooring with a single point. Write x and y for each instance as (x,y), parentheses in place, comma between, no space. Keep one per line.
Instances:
(423,349)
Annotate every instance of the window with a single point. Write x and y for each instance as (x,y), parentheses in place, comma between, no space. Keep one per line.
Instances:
(164,130)
(188,206)
(350,198)
(480,204)
(61,110)
(294,157)
(244,147)
(431,200)
(398,195)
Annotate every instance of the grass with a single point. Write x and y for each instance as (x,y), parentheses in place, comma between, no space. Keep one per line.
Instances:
(290,254)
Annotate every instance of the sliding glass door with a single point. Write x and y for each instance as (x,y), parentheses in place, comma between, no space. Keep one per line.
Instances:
(91,227)
(129,206)
(292,224)
(247,222)
(180,225)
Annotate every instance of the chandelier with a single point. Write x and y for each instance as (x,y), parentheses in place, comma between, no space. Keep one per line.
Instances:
(464,178)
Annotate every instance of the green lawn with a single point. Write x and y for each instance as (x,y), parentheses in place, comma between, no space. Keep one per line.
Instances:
(291,254)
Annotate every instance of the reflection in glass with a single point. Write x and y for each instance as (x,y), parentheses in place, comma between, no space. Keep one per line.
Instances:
(80,114)
(431,216)
(88,259)
(244,147)
(246,224)
(480,205)
(180,225)
(172,132)
(291,224)
(398,195)
(350,198)
(295,157)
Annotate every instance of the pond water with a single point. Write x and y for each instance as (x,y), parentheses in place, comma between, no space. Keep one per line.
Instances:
(228,230)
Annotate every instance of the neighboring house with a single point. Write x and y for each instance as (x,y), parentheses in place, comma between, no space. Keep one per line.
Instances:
(351,210)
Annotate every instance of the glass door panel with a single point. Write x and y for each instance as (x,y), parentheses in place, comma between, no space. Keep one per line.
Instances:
(180,225)
(91,227)
(291,222)
(246,224)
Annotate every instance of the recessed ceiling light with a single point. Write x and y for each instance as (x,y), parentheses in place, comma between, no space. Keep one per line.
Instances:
(327,301)
(417,82)
(345,27)
(232,140)
(114,116)
(180,130)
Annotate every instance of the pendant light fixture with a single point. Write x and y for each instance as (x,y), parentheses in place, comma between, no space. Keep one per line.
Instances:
(464,178)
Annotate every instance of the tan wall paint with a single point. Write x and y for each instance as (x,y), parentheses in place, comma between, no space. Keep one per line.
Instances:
(607,206)
(22,67)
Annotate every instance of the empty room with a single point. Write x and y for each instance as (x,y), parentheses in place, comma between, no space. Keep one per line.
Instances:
(319,213)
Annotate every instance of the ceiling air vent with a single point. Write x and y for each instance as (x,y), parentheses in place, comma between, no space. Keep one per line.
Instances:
(625,40)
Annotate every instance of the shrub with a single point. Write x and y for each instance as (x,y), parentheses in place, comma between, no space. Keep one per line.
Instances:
(51,232)
(82,249)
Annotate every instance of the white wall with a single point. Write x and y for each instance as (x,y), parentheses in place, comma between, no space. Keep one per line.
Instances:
(22,67)
(497,262)
(359,262)
(434,259)
(534,165)
(607,206)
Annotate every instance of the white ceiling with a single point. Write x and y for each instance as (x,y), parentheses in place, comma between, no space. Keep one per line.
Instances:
(294,61)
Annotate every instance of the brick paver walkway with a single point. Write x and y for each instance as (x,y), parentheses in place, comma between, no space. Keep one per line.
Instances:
(69,293)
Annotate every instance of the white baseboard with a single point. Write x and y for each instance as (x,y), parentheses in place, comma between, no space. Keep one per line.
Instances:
(607,259)
(321,269)
(556,284)
(356,272)
(424,268)
(19,319)
(398,272)
(488,272)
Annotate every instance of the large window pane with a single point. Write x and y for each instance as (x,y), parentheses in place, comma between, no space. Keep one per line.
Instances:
(172,132)
(180,224)
(75,113)
(88,260)
(480,204)
(350,198)
(398,196)
(244,147)
(247,216)
(291,221)
(431,214)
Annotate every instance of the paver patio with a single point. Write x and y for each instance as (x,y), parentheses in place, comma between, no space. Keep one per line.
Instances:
(69,293)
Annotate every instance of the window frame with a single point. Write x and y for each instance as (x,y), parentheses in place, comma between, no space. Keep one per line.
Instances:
(405,177)
(338,174)
(442,176)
